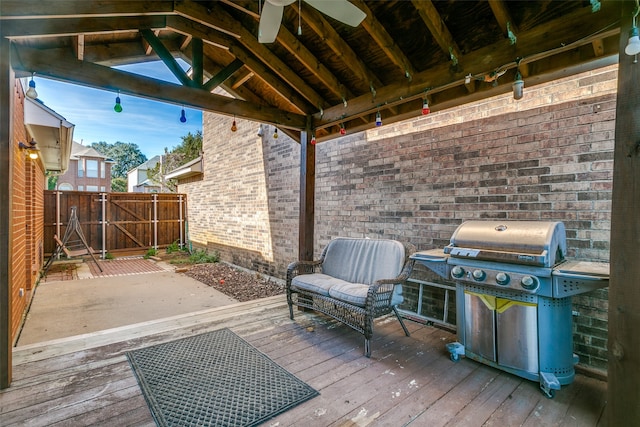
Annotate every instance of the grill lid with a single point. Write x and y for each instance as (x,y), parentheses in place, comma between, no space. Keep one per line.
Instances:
(539,243)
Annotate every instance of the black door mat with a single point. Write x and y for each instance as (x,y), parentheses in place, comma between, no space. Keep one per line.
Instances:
(214,379)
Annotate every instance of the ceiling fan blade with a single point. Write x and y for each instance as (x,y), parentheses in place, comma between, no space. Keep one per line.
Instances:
(341,10)
(270,20)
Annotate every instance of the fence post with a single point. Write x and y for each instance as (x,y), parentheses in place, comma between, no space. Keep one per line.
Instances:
(181,223)
(103,200)
(155,221)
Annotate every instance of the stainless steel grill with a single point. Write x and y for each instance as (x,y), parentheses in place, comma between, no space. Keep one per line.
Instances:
(513,296)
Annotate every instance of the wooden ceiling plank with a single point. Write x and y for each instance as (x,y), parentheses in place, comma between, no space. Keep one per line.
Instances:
(166,57)
(200,13)
(437,27)
(316,21)
(384,40)
(59,64)
(223,75)
(16,29)
(21,9)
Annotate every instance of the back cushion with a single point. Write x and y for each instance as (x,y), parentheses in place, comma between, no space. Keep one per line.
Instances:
(363,260)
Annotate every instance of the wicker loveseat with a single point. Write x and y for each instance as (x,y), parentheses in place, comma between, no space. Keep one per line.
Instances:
(354,281)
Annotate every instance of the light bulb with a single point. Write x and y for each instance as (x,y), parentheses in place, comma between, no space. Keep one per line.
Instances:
(313,140)
(378,119)
(183,117)
(31,92)
(518,86)
(275,134)
(425,107)
(233,126)
(633,46)
(117,108)
(343,131)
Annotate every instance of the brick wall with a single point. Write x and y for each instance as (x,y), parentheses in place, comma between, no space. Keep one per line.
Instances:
(27,209)
(244,210)
(548,156)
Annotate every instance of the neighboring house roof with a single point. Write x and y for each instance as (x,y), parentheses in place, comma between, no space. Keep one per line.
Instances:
(78,150)
(152,162)
(192,168)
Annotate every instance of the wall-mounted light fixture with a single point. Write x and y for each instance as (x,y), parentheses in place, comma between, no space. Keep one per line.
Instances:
(31,148)
(31,92)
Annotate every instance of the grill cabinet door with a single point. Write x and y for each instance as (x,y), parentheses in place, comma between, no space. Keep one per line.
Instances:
(479,324)
(517,335)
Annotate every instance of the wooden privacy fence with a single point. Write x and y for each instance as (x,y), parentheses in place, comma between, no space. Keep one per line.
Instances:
(118,222)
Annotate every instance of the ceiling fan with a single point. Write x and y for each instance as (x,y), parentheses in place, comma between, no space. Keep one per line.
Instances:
(271,16)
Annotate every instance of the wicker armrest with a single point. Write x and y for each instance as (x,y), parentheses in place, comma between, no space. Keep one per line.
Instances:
(302,267)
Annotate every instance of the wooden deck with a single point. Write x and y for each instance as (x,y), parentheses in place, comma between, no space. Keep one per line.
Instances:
(86,380)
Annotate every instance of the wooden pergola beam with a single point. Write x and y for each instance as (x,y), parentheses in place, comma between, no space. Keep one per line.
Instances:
(166,57)
(437,27)
(60,65)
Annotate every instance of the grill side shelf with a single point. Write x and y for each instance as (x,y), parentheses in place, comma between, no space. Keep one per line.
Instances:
(435,260)
(566,284)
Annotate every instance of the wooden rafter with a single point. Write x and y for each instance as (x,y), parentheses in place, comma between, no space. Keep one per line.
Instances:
(200,14)
(223,75)
(503,17)
(530,46)
(340,48)
(437,27)
(385,41)
(236,50)
(167,57)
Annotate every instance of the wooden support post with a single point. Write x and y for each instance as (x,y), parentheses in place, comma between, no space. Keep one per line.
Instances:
(307,194)
(6,167)
(623,400)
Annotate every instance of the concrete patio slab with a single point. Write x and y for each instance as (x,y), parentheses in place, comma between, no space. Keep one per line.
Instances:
(66,308)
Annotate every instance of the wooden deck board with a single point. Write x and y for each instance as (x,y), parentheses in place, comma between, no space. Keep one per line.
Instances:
(86,380)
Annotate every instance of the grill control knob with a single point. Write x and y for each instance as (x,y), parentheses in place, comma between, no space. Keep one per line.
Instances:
(479,275)
(502,279)
(529,283)
(457,272)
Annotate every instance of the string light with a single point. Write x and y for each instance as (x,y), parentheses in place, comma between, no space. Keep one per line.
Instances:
(343,130)
(378,119)
(275,134)
(31,92)
(118,107)
(183,117)
(234,127)
(425,107)
(313,139)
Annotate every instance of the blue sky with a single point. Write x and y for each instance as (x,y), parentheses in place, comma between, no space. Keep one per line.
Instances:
(149,124)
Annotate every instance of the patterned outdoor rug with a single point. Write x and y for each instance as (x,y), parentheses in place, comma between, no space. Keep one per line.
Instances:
(214,379)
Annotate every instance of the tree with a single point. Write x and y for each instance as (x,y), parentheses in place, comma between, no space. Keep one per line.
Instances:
(126,156)
(187,150)
(119,185)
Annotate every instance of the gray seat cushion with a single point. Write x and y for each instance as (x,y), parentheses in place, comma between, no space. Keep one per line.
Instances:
(363,260)
(317,283)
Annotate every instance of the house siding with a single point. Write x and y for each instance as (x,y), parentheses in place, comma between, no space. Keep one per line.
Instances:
(548,156)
